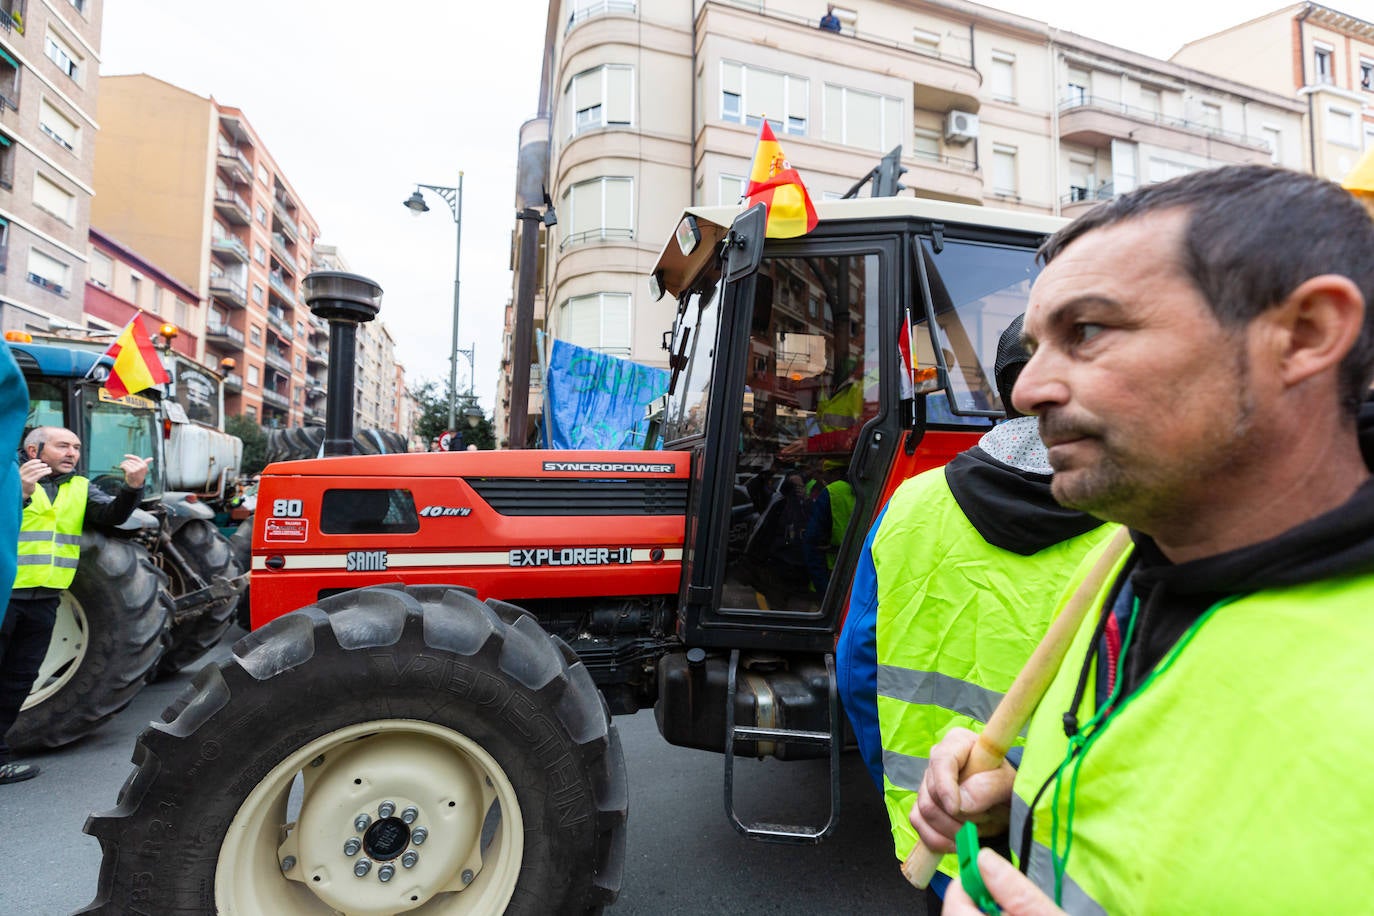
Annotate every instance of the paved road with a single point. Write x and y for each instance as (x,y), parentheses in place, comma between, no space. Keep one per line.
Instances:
(682,857)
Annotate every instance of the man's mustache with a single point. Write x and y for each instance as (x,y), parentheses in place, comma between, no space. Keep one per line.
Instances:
(1056,426)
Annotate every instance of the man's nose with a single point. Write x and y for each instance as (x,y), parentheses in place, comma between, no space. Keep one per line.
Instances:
(1039,385)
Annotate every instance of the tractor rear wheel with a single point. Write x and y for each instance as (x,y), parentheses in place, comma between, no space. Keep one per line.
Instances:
(108,637)
(241,543)
(383,751)
(210,554)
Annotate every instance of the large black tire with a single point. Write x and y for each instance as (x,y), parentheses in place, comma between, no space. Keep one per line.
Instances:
(210,555)
(415,696)
(241,543)
(109,636)
(294,443)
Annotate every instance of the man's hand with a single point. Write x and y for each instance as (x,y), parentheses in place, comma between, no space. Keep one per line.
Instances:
(943,804)
(30,472)
(135,470)
(1013,891)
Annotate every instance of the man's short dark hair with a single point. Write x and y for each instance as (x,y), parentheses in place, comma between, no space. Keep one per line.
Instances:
(1254,234)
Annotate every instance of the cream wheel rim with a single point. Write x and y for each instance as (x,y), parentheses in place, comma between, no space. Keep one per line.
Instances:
(382,817)
(66,651)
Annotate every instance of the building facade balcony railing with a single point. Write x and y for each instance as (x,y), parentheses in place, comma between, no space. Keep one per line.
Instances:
(235,165)
(12,16)
(282,288)
(233,206)
(276,400)
(1081,194)
(224,334)
(279,249)
(1150,116)
(315,391)
(230,248)
(954,162)
(317,355)
(283,218)
(233,382)
(230,292)
(51,286)
(596,235)
(276,360)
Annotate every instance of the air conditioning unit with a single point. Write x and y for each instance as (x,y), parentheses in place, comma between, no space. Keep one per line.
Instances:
(960,127)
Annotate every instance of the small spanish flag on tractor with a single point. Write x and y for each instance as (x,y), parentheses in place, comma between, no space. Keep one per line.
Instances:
(775,184)
(136,364)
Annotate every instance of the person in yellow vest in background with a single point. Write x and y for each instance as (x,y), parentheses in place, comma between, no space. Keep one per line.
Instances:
(955,588)
(56,504)
(1201,348)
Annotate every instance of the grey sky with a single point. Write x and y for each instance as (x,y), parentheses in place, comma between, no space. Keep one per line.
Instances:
(359,101)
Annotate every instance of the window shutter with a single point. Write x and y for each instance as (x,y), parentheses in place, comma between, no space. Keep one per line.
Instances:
(619,203)
(619,91)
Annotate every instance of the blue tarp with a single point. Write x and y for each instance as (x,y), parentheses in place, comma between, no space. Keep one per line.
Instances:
(597,401)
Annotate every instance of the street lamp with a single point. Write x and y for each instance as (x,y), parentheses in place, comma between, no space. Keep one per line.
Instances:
(416,205)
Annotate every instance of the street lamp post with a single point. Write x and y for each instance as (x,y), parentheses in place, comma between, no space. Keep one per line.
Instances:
(454,198)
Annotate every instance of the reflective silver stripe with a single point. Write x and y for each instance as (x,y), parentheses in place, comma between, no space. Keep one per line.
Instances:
(931,688)
(65,562)
(903,770)
(35,559)
(1041,869)
(35,536)
(69,540)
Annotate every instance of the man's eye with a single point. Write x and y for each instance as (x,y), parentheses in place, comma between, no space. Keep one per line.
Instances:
(1086,331)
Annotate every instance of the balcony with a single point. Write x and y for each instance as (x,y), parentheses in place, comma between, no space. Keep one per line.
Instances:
(284,221)
(230,292)
(233,207)
(51,286)
(596,235)
(233,382)
(1096,122)
(315,391)
(276,360)
(279,249)
(283,289)
(276,400)
(235,165)
(317,356)
(224,335)
(1080,199)
(230,249)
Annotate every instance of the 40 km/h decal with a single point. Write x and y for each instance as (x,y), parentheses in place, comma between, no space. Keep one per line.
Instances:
(571,556)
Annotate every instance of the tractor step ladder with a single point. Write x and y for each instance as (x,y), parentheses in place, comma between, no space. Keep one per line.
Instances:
(783,833)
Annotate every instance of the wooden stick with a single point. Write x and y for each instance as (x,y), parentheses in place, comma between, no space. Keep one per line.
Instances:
(1016,707)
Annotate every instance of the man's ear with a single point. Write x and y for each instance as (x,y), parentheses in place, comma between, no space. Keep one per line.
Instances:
(1316,325)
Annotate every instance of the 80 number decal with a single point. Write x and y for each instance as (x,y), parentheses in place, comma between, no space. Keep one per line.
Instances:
(286,508)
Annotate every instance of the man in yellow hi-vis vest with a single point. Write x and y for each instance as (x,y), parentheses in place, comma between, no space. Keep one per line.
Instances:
(1201,348)
(57,503)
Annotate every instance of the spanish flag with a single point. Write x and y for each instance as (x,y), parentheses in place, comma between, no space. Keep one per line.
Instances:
(775,184)
(136,365)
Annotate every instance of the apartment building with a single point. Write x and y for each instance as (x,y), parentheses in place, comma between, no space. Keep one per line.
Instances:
(49,80)
(188,182)
(1321,56)
(651,107)
(121,281)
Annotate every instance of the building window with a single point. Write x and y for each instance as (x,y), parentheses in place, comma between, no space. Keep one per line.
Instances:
(61,53)
(135,289)
(48,272)
(1340,127)
(1151,100)
(79,5)
(1004,169)
(732,190)
(253,377)
(298,363)
(598,322)
(101,269)
(601,97)
(1367,74)
(1164,169)
(1076,89)
(1002,76)
(1274,137)
(600,209)
(1322,59)
(255,335)
(259,253)
(58,126)
(47,195)
(1211,115)
(862,119)
(258,293)
(749,94)
(260,213)
(183,313)
(157,300)
(925,144)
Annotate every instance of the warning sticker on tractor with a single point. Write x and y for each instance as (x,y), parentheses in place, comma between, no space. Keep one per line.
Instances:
(570,556)
(285,529)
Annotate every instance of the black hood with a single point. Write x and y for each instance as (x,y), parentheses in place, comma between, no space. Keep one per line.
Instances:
(1011,508)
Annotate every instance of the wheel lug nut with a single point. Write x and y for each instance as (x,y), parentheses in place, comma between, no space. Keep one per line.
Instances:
(386,809)
(419,836)
(410,858)
(288,863)
(467,876)
(361,821)
(362,867)
(410,814)
(386,873)
(352,846)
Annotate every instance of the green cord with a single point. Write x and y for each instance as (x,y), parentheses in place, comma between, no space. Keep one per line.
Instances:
(1080,743)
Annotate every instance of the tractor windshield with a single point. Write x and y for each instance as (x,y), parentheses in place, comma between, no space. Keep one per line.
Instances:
(116,429)
(975,291)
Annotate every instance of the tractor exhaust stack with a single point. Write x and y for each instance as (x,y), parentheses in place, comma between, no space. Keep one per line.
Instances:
(345,300)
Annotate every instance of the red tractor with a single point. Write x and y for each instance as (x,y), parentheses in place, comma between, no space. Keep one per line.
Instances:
(445,741)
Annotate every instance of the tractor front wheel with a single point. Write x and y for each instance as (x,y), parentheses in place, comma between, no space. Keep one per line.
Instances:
(383,751)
